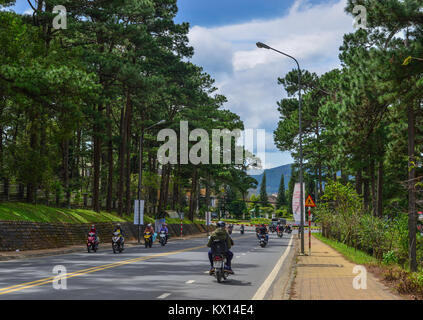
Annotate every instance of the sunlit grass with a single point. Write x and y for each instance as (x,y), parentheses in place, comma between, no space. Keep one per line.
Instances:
(353,255)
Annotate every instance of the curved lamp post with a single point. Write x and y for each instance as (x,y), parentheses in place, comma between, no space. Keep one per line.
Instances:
(265,46)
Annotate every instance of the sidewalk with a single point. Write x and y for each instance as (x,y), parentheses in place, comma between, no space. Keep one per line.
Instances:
(13,255)
(327,275)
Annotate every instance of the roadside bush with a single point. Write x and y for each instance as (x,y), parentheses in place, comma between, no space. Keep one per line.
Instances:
(343,219)
(390,258)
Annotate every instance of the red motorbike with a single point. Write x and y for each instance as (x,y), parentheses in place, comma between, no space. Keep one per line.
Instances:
(92,242)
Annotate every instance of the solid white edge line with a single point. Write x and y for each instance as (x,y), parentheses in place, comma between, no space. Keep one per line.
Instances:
(262,291)
(163,296)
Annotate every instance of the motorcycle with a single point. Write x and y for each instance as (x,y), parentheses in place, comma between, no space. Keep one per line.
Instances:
(162,238)
(263,241)
(117,242)
(148,239)
(219,261)
(272,229)
(92,242)
(288,230)
(280,233)
(230,229)
(242,230)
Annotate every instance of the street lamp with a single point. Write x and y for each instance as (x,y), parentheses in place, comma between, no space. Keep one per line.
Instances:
(265,46)
(140,175)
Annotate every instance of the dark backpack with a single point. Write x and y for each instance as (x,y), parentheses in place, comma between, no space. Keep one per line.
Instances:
(219,247)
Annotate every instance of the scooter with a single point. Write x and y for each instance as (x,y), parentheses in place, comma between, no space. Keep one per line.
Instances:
(280,234)
(162,238)
(148,239)
(263,241)
(219,261)
(92,242)
(117,242)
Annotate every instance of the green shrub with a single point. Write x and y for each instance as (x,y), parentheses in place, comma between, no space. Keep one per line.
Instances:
(390,258)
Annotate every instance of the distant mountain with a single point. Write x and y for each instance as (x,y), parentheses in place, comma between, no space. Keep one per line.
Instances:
(273,178)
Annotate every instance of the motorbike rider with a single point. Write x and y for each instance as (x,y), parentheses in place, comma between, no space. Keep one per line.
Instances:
(263,230)
(230,228)
(119,230)
(165,229)
(221,234)
(279,227)
(242,227)
(94,230)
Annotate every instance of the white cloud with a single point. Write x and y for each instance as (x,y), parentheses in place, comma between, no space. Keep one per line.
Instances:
(247,75)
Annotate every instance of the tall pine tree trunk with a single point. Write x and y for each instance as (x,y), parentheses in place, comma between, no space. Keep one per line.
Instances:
(412,217)
(373,186)
(366,189)
(380,189)
(96,164)
(122,153)
(193,194)
(109,160)
(128,159)
(359,182)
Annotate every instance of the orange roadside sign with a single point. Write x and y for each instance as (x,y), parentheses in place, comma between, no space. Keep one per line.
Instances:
(309,202)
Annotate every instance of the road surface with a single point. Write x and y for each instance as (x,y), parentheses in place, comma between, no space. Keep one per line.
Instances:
(177,271)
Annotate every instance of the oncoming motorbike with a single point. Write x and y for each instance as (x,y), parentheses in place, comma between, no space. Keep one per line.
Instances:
(162,238)
(148,239)
(117,242)
(92,242)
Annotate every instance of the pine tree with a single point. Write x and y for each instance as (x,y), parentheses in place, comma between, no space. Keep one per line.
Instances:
(281,199)
(263,194)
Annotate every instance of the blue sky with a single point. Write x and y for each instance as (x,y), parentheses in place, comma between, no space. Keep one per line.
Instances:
(224,32)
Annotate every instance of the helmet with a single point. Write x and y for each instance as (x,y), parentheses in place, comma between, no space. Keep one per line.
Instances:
(262,225)
(220,224)
(92,226)
(118,225)
(149,225)
(164,224)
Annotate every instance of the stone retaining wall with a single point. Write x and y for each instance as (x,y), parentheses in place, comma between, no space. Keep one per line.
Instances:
(32,235)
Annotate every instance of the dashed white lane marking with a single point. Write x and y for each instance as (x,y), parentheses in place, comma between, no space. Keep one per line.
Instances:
(190,281)
(238,257)
(243,254)
(163,296)
(206,272)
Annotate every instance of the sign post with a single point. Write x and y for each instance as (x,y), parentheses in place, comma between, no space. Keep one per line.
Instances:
(296,207)
(139,216)
(309,204)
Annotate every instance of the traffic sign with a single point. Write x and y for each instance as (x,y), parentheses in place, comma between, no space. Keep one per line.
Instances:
(309,202)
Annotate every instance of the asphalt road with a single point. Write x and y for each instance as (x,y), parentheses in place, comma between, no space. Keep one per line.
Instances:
(177,271)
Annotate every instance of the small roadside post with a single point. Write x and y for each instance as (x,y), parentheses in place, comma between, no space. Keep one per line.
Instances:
(309,203)
(181,216)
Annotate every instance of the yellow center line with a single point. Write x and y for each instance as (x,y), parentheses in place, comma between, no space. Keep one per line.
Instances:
(41,282)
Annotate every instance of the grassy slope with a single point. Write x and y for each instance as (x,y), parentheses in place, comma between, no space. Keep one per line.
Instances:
(349,253)
(17,211)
